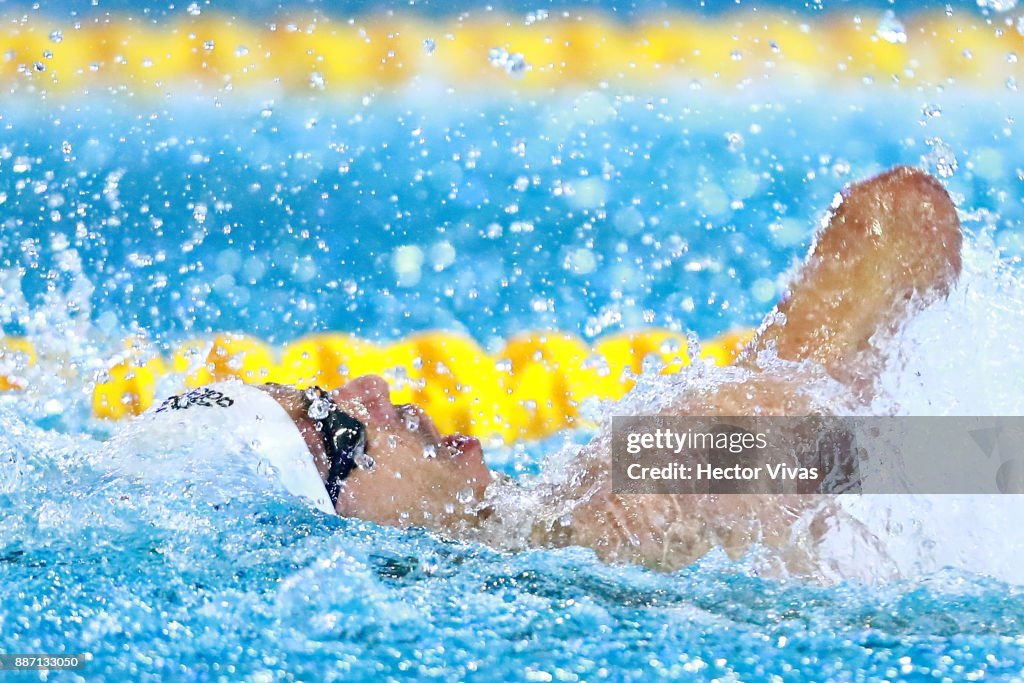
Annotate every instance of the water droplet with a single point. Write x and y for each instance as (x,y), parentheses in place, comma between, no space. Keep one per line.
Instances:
(194,9)
(39,66)
(516,65)
(736,142)
(534,17)
(890,29)
(763,290)
(363,460)
(1020,25)
(581,261)
(651,365)
(316,80)
(319,408)
(209,45)
(466,495)
(407,262)
(429,46)
(997,5)
(65,147)
(430,452)
(931,111)
(497,56)
(693,348)
(941,158)
(392,441)
(412,421)
(199,213)
(241,51)
(56,36)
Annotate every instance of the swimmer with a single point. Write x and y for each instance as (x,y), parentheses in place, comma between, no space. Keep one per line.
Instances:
(890,247)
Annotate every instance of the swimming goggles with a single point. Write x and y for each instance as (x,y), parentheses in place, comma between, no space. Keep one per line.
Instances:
(344,441)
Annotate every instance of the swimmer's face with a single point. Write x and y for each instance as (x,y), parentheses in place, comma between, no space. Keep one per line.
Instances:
(419,477)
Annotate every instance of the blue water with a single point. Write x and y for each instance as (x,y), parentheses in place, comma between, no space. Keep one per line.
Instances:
(175,582)
(183,217)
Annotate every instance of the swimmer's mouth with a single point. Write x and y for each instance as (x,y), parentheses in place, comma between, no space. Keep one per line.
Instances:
(344,440)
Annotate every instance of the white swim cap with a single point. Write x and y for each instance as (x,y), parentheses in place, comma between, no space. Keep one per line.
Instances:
(252,419)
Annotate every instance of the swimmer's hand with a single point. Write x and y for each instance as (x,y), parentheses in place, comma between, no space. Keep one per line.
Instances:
(891,246)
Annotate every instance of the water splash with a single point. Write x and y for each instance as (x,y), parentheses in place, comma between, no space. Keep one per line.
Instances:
(941,160)
(909,535)
(514,64)
(997,5)
(891,29)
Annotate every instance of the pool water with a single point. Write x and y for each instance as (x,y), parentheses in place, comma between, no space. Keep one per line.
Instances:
(588,211)
(202,581)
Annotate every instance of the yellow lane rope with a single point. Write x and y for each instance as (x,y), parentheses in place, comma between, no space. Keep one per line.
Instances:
(313,53)
(532,387)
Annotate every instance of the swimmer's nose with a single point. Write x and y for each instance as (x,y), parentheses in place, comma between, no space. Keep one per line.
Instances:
(468,455)
(372,393)
(416,420)
(463,447)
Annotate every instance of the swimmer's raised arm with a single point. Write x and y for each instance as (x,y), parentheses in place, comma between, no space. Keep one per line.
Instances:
(891,242)
(891,245)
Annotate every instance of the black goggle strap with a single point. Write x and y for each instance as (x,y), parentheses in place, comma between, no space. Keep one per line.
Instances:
(344,443)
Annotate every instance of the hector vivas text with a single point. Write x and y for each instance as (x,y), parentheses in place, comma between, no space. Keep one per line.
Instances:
(659,454)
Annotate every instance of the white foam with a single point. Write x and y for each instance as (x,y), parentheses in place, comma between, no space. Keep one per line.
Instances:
(962,356)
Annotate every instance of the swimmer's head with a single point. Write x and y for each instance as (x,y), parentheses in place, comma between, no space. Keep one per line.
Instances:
(418,477)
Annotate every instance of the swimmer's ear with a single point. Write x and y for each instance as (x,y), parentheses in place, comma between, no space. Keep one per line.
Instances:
(891,245)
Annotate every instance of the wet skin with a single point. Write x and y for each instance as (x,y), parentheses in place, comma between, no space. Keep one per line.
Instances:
(891,247)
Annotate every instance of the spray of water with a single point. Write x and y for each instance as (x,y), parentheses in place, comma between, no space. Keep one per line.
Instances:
(959,356)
